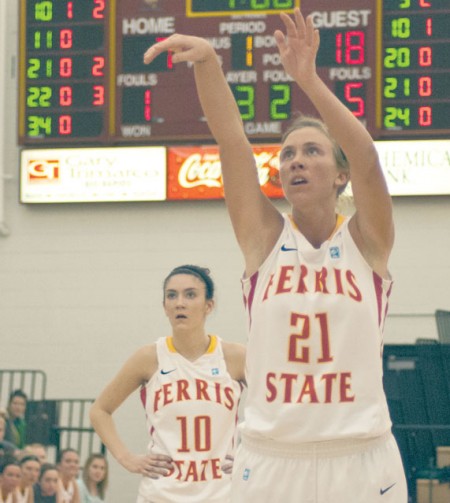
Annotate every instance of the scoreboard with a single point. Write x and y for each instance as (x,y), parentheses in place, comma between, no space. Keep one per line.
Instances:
(83,80)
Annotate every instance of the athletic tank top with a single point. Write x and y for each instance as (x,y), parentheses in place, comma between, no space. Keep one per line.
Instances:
(23,497)
(314,354)
(11,498)
(191,410)
(66,495)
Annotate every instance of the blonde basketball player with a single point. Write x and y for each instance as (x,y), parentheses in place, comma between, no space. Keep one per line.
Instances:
(316,426)
(190,386)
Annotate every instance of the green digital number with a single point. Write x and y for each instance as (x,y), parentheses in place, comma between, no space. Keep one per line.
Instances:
(245,99)
(401,27)
(396,115)
(283,4)
(43,11)
(43,40)
(36,66)
(38,125)
(39,96)
(396,87)
(397,57)
(261,5)
(264,4)
(280,99)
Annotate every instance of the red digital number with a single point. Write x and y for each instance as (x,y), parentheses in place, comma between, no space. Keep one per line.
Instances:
(425,116)
(98,95)
(66,39)
(69,10)
(350,48)
(65,96)
(425,56)
(429,27)
(148,105)
(425,86)
(65,125)
(358,100)
(65,67)
(98,10)
(98,66)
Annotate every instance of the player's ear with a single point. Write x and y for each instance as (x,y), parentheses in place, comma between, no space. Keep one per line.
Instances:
(209,306)
(341,180)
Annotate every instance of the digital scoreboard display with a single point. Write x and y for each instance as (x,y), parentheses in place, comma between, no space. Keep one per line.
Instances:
(83,80)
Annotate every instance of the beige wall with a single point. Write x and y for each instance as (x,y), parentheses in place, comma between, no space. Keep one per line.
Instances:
(80,285)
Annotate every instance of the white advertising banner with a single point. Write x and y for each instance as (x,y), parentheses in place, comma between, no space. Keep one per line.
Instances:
(416,167)
(76,175)
(412,168)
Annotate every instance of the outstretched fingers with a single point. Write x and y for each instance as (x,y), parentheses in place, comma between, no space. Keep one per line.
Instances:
(183,47)
(156,49)
(297,31)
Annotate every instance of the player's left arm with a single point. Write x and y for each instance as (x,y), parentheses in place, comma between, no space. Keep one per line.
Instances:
(372,225)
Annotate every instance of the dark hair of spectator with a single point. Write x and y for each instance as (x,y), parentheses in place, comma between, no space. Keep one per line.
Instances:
(45,468)
(6,461)
(28,457)
(61,454)
(17,393)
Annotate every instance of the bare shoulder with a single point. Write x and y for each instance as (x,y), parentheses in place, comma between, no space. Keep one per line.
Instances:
(234,354)
(145,361)
(135,372)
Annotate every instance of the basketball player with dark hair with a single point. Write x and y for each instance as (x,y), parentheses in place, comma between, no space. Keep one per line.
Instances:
(190,384)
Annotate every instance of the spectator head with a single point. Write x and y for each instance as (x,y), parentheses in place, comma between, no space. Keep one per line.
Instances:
(30,467)
(10,474)
(48,479)
(38,450)
(17,404)
(68,463)
(96,470)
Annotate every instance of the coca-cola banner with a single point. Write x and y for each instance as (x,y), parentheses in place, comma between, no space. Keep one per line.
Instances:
(194,172)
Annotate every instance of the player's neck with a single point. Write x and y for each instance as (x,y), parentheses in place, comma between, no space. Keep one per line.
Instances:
(191,345)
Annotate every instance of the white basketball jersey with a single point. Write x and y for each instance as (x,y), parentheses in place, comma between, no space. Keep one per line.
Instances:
(25,496)
(314,355)
(191,410)
(66,495)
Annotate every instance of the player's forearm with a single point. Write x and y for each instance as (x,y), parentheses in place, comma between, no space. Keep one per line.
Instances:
(104,426)
(217,101)
(348,131)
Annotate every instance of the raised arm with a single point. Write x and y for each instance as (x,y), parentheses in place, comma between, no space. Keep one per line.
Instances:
(372,224)
(136,371)
(255,220)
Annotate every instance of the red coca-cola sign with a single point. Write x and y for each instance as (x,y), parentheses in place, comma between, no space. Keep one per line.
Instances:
(195,172)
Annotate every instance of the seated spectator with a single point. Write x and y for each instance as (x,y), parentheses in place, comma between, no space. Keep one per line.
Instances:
(6,448)
(46,489)
(30,467)
(15,422)
(68,464)
(10,475)
(94,479)
(38,450)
